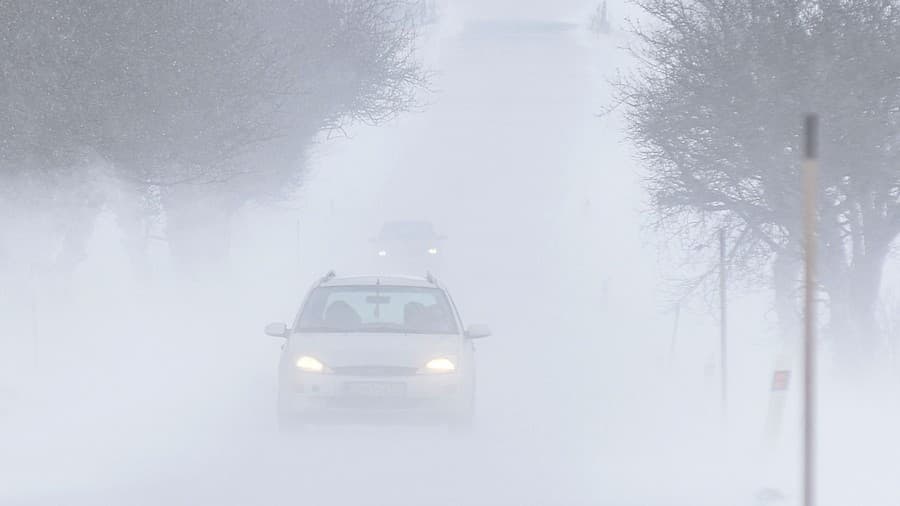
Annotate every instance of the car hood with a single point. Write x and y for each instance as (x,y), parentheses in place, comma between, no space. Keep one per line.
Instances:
(374,348)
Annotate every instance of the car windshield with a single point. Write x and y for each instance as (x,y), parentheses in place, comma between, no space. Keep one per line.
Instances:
(375,308)
(407,230)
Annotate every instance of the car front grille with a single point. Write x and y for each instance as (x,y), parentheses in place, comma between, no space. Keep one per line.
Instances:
(373,404)
(378,371)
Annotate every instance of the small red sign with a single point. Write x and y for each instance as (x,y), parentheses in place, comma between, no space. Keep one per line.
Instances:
(781,380)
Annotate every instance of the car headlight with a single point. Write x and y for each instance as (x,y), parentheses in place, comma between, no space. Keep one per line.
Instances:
(382,253)
(439,365)
(432,251)
(310,364)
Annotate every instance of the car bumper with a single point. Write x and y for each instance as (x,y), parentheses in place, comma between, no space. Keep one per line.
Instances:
(337,399)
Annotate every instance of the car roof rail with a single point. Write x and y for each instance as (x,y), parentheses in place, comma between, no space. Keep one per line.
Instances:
(327,277)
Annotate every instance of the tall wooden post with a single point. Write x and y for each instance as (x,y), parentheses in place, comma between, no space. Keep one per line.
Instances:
(810,170)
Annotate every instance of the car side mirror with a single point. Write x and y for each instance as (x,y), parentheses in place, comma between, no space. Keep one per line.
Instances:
(277,330)
(478,331)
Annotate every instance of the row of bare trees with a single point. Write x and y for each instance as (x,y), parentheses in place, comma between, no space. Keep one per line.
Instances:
(180,111)
(716,109)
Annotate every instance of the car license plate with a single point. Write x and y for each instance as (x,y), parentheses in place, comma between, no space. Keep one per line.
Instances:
(374,389)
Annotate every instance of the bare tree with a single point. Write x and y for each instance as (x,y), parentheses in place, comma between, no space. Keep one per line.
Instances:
(197,106)
(716,108)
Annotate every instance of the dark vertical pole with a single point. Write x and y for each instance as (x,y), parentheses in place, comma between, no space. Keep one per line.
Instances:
(723,319)
(675,331)
(809,315)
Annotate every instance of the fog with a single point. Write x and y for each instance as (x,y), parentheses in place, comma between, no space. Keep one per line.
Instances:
(600,383)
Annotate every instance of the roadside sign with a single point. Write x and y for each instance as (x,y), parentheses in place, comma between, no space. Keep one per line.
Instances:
(781,380)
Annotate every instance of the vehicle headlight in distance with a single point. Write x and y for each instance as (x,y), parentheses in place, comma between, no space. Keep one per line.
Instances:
(432,251)
(382,253)
(310,364)
(440,365)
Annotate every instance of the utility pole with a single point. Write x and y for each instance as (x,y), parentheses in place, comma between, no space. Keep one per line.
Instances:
(809,315)
(674,339)
(600,21)
(604,19)
(723,320)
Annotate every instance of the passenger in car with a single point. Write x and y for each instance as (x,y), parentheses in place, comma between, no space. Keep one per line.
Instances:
(414,317)
(341,315)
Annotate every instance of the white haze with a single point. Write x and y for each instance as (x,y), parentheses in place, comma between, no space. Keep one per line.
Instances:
(120,392)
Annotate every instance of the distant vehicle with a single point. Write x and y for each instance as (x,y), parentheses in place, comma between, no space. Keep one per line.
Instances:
(377,350)
(408,246)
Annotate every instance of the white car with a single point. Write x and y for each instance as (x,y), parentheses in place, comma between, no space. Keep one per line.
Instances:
(377,349)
